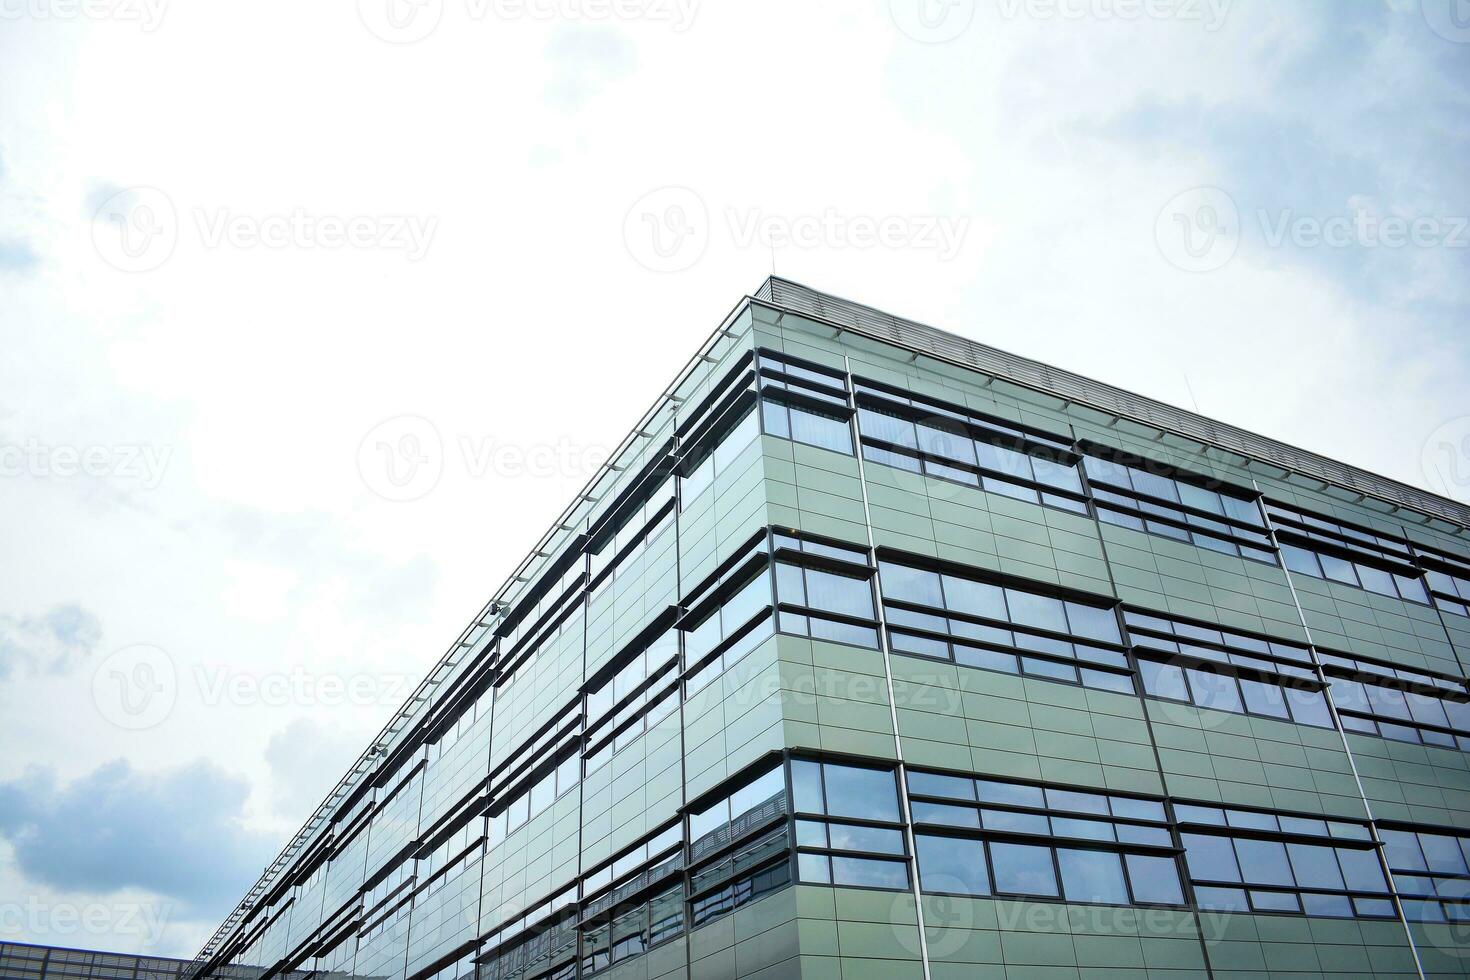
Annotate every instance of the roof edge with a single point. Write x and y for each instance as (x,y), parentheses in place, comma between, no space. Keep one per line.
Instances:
(944,345)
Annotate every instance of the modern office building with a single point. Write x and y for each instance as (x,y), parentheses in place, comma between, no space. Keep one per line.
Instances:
(878,653)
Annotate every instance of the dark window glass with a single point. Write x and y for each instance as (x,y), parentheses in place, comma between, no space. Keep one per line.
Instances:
(878,840)
(1377,580)
(911,584)
(1222,899)
(1029,609)
(952,864)
(1058,475)
(1361,870)
(1210,858)
(1300,560)
(1308,707)
(949,787)
(974,598)
(1092,876)
(1023,869)
(816,868)
(1009,794)
(1163,680)
(946,441)
(1442,854)
(1263,862)
(1153,484)
(1338,569)
(1275,902)
(823,431)
(790,584)
(1263,699)
(943,813)
(1093,623)
(839,593)
(889,428)
(1213,690)
(868,794)
(1155,880)
(1336,906)
(747,798)
(869,873)
(1015,823)
(1315,866)
(806,785)
(1003,460)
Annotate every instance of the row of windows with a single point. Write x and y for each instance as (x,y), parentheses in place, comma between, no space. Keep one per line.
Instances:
(979,865)
(871,854)
(1432,868)
(1238,695)
(1282,873)
(1169,635)
(1374,709)
(975,638)
(947,450)
(969,866)
(1336,534)
(1358,574)
(1139,498)
(1448,578)
(811,426)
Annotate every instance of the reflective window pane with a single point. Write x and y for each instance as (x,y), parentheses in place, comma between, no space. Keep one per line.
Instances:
(1023,869)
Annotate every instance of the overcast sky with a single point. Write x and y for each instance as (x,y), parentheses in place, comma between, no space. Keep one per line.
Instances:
(315,315)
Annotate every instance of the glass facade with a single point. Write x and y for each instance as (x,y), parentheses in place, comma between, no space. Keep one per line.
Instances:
(875,652)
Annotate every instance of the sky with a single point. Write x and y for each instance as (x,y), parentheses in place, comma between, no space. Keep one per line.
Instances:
(315,316)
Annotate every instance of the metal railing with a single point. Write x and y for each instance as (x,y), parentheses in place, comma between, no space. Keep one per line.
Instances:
(917,337)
